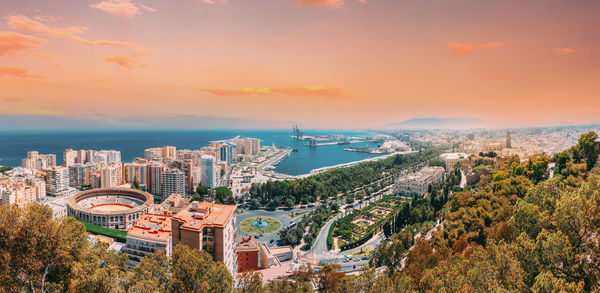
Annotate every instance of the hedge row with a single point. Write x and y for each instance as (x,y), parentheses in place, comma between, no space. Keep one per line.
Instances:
(330,235)
(358,242)
(119,235)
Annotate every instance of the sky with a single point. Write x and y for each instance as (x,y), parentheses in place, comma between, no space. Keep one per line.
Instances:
(318,63)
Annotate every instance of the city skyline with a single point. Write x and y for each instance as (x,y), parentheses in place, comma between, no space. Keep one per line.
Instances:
(322,63)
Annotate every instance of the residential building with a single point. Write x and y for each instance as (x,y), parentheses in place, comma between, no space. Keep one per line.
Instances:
(247,253)
(35,161)
(248,146)
(69,157)
(207,172)
(226,153)
(109,157)
(135,172)
(155,177)
(151,232)
(160,153)
(210,227)
(173,181)
(57,179)
(110,176)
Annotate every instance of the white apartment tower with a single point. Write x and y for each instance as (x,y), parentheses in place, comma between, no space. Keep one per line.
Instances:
(207,172)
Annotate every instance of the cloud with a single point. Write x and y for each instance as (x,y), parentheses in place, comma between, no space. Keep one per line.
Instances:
(211,2)
(564,50)
(330,3)
(128,61)
(16,72)
(18,106)
(459,48)
(122,8)
(71,33)
(326,3)
(11,43)
(43,56)
(304,90)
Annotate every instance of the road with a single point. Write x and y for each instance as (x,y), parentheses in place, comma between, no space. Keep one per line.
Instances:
(324,255)
(463,179)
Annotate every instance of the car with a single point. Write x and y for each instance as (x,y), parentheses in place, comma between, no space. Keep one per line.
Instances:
(271,240)
(346,260)
(365,257)
(356,259)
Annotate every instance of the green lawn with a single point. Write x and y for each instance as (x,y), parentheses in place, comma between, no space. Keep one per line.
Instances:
(274,226)
(119,235)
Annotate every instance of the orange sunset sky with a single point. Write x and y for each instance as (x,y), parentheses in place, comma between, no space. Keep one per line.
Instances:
(320,63)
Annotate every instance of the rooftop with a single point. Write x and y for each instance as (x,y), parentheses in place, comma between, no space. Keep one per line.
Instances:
(151,227)
(198,215)
(246,243)
(453,156)
(173,204)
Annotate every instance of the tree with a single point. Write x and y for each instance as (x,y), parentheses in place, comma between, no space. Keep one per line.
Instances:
(99,270)
(37,252)
(136,183)
(308,239)
(493,269)
(329,279)
(223,195)
(389,255)
(250,282)
(151,274)
(202,190)
(586,149)
(194,270)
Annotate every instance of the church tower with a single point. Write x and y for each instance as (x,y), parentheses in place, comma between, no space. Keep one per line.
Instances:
(508,140)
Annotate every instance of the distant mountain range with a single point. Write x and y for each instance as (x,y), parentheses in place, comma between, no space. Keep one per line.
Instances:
(437,123)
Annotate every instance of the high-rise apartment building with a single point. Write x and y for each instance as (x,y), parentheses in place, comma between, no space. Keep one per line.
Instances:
(173,181)
(110,176)
(69,157)
(248,146)
(207,172)
(135,172)
(35,161)
(57,179)
(155,177)
(109,157)
(226,153)
(160,153)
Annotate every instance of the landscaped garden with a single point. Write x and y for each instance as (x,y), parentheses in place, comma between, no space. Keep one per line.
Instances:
(260,225)
(359,226)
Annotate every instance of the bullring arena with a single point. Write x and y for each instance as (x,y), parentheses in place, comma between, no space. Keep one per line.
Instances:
(116,208)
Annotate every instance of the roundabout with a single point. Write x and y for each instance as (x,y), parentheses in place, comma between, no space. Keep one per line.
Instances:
(260,225)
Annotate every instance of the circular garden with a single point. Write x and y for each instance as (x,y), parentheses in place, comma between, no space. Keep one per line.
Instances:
(260,225)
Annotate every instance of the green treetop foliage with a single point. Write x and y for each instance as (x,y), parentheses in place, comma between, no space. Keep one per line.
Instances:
(202,190)
(223,195)
(333,182)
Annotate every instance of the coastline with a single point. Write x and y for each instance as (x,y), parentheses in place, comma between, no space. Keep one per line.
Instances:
(323,169)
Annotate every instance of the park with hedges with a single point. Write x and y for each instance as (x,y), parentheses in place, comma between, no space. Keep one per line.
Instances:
(359,226)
